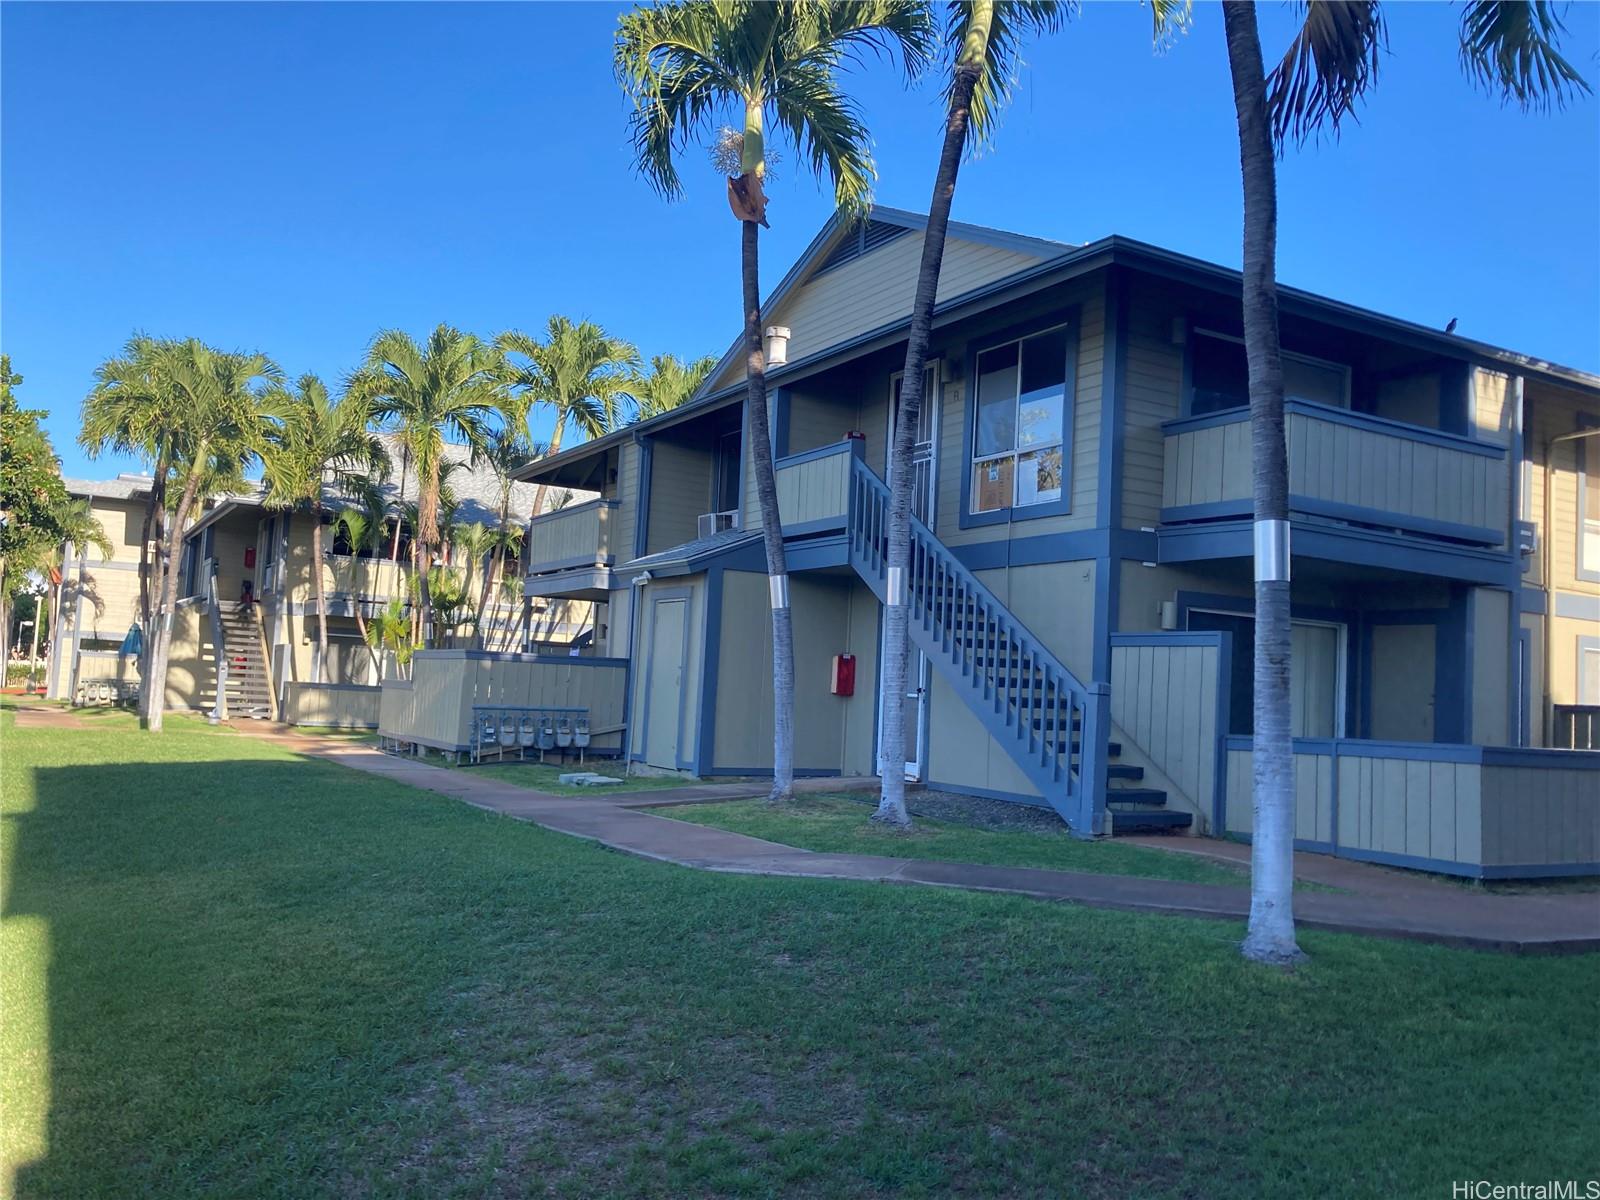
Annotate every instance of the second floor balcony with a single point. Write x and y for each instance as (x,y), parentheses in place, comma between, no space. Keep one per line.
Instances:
(1347,467)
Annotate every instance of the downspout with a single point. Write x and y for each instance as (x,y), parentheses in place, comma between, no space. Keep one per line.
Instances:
(1547,576)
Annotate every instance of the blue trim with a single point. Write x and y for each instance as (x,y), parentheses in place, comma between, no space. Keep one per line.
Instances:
(1333,510)
(817,554)
(1487,756)
(1366,547)
(778,422)
(710,674)
(1197,637)
(641,513)
(1071,322)
(1344,416)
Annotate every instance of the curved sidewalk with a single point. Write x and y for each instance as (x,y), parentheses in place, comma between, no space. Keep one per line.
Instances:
(1381,903)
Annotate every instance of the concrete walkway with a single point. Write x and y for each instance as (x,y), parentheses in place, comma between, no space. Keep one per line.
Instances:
(1379,902)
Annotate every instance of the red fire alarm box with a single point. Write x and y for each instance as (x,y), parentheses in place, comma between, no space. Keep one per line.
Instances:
(249,557)
(844,675)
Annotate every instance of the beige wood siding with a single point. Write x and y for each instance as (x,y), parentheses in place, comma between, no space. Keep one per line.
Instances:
(1425,809)
(1152,393)
(1164,702)
(817,489)
(583,533)
(331,705)
(876,290)
(1313,796)
(1533,816)
(829,619)
(627,494)
(680,493)
(1334,462)
(1549,413)
(434,707)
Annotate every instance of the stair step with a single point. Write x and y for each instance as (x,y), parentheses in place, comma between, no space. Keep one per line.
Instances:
(1135,796)
(1134,820)
(1124,771)
(1114,749)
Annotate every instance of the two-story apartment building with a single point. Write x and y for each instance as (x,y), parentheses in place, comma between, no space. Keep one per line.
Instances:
(256,563)
(1081,584)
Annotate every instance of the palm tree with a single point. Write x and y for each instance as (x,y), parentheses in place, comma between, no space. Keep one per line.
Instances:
(363,529)
(390,629)
(449,386)
(1329,66)
(124,413)
(507,450)
(685,65)
(318,443)
(217,425)
(668,383)
(983,38)
(579,372)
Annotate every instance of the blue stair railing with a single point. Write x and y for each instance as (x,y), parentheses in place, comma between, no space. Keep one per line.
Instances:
(1052,725)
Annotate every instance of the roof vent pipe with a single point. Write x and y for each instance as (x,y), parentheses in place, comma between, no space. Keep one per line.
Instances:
(777,345)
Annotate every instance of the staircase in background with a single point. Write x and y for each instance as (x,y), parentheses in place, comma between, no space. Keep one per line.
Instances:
(236,642)
(1052,726)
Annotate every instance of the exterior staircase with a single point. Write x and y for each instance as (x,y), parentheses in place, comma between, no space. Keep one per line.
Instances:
(1053,726)
(245,683)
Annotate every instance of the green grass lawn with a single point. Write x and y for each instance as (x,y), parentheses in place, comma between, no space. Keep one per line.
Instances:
(839,824)
(227,971)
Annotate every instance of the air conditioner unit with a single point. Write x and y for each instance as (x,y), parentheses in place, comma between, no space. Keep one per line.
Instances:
(712,524)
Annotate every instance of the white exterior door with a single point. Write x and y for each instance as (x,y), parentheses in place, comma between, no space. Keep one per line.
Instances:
(924,467)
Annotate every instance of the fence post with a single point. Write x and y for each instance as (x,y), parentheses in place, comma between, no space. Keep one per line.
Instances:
(1092,755)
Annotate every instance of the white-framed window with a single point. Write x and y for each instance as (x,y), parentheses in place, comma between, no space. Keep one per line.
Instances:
(1589,671)
(1019,422)
(1220,379)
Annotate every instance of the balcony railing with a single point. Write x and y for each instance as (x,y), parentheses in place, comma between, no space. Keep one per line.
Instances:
(582,535)
(814,487)
(1346,466)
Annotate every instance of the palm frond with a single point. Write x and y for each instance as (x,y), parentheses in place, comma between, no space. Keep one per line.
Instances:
(995,51)
(1512,48)
(1327,69)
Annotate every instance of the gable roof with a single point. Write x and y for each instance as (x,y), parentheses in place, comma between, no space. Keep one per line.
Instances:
(1066,262)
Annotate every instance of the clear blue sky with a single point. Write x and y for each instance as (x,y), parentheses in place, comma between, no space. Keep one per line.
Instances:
(292,178)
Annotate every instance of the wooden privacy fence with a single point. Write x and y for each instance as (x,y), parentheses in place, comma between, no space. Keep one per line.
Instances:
(434,707)
(331,705)
(1482,811)
(1169,702)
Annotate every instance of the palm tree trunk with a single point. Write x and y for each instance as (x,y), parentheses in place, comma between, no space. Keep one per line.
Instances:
(427,534)
(1270,936)
(896,618)
(496,564)
(153,530)
(555,449)
(399,510)
(153,693)
(322,591)
(771,522)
